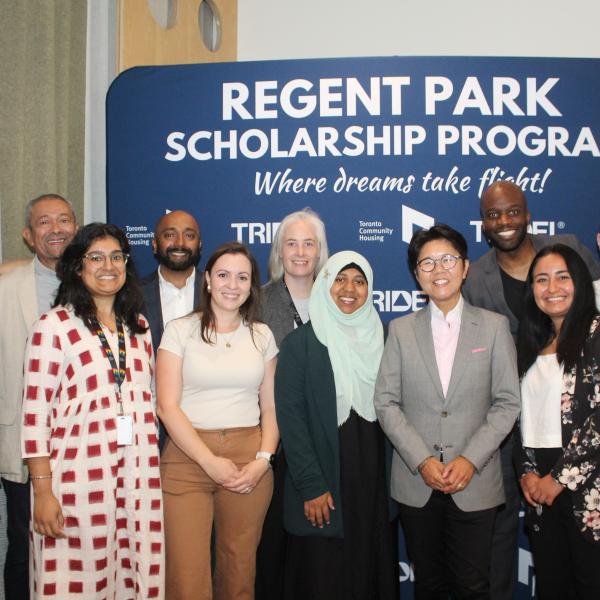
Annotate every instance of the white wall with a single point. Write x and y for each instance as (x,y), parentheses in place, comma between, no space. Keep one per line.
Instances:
(272,29)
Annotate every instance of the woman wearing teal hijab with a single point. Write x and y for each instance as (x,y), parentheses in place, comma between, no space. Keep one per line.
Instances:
(335,501)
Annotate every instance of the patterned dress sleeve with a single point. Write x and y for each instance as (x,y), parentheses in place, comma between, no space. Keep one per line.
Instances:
(43,370)
(580,408)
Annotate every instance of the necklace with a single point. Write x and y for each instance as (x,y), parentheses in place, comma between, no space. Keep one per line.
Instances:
(229,339)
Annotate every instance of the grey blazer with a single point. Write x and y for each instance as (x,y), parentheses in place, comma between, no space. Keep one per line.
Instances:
(478,412)
(483,286)
(276,310)
(18,313)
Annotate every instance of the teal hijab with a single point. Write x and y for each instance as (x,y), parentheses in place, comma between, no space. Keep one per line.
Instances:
(354,342)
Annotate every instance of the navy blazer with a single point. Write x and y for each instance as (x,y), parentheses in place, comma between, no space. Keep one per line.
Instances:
(152,307)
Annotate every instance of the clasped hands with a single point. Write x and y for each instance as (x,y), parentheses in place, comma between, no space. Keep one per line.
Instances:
(540,490)
(240,480)
(449,479)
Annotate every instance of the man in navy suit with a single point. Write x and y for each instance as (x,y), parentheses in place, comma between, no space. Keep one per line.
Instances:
(173,290)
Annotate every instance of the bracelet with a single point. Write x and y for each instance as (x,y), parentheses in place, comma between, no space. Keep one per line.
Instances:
(41,476)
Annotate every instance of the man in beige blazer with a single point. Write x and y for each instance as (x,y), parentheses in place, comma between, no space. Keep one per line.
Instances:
(26,292)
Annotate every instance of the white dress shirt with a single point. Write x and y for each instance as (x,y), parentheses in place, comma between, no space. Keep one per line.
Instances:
(176,302)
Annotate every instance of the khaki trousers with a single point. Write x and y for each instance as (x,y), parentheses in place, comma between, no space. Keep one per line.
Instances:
(193,502)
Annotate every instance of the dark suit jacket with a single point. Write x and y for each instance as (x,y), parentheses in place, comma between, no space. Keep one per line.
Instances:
(152,307)
(305,403)
(483,286)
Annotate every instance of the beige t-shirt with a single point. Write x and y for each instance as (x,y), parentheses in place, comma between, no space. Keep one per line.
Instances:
(220,382)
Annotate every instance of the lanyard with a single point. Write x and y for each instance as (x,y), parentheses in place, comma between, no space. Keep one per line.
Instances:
(297,318)
(118,371)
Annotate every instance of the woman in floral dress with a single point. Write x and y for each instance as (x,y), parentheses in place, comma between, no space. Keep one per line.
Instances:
(559,458)
(89,432)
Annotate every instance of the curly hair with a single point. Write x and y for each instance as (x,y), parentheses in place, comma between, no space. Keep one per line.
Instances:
(72,291)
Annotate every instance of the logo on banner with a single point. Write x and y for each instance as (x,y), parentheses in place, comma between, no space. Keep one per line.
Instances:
(373,231)
(255,233)
(412,218)
(535,227)
(399,300)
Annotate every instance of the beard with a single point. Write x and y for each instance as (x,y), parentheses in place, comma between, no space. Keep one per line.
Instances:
(166,259)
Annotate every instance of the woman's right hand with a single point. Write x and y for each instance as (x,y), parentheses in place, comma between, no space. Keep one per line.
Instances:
(529,483)
(221,470)
(47,515)
(317,509)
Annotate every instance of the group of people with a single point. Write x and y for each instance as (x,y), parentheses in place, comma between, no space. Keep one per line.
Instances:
(229,510)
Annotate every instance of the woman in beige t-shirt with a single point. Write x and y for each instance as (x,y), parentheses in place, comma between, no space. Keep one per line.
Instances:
(214,380)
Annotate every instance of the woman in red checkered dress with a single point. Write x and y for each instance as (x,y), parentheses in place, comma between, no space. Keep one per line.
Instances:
(89,432)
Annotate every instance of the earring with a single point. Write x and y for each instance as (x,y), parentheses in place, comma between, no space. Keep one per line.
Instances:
(208,287)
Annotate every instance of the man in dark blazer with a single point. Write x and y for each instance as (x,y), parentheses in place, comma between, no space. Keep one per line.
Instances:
(497,282)
(173,290)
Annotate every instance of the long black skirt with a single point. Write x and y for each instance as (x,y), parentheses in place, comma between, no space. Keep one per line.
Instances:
(361,565)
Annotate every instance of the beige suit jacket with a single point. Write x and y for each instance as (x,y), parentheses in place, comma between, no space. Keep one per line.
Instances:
(18,313)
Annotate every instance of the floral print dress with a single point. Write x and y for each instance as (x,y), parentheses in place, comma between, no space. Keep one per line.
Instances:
(578,469)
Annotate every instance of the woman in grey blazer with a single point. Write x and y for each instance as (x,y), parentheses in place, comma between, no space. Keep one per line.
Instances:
(447,394)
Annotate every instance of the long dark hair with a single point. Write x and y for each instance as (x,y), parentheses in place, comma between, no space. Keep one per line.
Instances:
(128,300)
(248,310)
(536,329)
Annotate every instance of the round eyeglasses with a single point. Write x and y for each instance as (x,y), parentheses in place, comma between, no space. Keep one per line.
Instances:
(116,258)
(448,262)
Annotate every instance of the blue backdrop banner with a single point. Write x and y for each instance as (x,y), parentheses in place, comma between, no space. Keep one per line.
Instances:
(377,146)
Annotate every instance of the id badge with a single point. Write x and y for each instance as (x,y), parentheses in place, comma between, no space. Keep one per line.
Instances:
(124,430)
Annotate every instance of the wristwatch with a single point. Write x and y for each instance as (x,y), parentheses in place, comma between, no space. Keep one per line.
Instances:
(270,458)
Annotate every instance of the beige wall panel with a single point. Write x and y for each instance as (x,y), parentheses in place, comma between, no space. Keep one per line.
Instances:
(142,41)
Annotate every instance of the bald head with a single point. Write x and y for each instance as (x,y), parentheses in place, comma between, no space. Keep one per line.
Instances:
(177,241)
(504,215)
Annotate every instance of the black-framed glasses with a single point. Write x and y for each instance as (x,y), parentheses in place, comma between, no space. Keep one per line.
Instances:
(448,262)
(99,258)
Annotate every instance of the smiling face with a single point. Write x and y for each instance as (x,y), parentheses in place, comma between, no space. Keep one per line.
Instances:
(553,288)
(52,226)
(442,286)
(505,216)
(230,282)
(177,241)
(104,279)
(349,290)
(299,250)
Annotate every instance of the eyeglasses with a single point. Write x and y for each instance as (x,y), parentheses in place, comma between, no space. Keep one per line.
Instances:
(116,258)
(448,262)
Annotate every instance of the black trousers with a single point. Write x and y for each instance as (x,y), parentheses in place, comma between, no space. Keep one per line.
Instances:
(503,569)
(567,566)
(16,568)
(450,549)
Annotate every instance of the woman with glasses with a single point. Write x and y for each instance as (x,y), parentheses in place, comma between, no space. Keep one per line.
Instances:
(89,431)
(447,394)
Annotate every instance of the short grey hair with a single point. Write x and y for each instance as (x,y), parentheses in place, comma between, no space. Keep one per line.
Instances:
(29,206)
(309,216)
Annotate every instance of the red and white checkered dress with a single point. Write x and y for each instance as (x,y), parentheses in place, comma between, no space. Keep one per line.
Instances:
(110,495)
